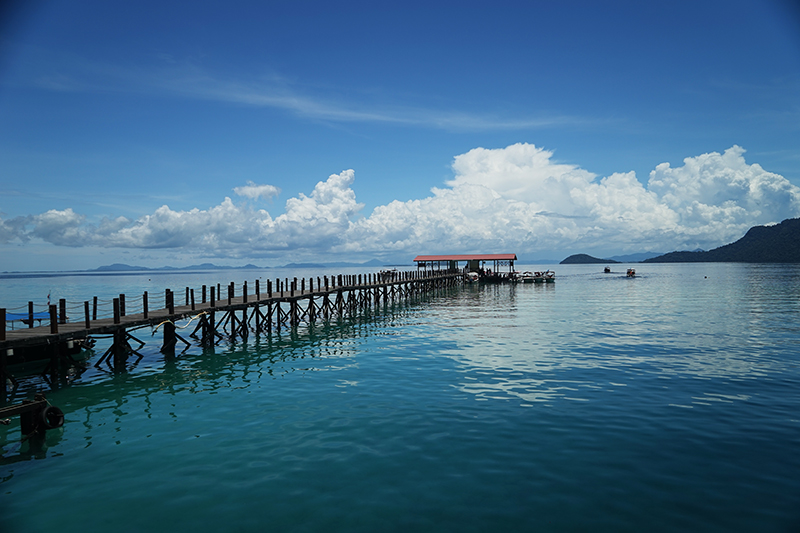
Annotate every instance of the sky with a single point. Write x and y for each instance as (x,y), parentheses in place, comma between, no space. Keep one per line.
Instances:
(157,133)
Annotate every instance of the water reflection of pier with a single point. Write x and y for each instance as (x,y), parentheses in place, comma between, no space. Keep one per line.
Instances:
(285,304)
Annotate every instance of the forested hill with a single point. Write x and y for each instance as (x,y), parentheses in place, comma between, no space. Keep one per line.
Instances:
(584,259)
(761,244)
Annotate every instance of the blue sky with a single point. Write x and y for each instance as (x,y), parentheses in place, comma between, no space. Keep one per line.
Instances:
(156,133)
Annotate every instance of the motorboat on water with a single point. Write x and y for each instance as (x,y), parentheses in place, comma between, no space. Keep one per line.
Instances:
(631,273)
(472,277)
(607,270)
(527,277)
(548,276)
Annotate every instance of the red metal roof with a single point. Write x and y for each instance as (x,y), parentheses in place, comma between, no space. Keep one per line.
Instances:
(474,257)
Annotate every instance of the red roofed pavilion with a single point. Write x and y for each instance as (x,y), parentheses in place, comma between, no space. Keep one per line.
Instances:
(473,262)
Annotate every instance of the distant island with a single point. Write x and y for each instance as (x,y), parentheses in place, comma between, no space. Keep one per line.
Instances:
(761,244)
(584,259)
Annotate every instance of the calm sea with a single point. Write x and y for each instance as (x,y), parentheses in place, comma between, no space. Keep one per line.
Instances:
(668,402)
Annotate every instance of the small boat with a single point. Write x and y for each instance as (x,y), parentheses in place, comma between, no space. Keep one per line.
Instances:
(388,274)
(527,277)
(548,276)
(631,273)
(472,277)
(607,270)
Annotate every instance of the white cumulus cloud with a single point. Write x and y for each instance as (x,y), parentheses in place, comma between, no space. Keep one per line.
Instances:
(513,199)
(253,191)
(517,198)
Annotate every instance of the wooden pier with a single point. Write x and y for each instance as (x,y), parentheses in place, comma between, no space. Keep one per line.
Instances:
(286,303)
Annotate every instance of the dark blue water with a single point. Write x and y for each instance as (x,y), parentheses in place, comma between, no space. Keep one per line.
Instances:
(662,403)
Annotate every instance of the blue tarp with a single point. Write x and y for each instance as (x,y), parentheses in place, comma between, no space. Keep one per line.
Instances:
(41,315)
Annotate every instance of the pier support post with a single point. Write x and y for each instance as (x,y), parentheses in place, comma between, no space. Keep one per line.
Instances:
(170,339)
(211,329)
(3,389)
(53,319)
(212,326)
(120,349)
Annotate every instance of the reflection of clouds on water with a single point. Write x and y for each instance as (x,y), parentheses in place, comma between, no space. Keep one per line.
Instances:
(593,334)
(527,389)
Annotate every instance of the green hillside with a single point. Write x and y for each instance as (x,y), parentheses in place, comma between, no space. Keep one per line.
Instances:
(761,244)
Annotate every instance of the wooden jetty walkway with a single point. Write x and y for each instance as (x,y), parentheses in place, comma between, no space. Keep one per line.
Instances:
(286,303)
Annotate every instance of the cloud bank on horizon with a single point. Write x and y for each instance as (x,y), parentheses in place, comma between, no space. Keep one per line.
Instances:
(514,199)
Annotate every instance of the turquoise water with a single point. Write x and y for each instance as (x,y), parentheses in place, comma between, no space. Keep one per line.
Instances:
(662,403)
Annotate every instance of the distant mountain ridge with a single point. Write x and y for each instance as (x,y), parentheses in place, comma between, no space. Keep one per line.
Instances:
(121,267)
(761,244)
